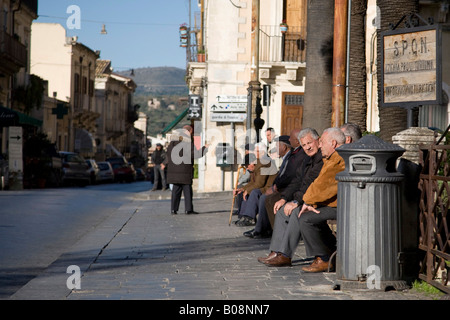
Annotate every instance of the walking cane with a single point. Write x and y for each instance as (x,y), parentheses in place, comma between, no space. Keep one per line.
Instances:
(234,195)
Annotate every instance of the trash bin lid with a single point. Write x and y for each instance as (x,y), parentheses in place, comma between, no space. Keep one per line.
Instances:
(371,143)
(370,159)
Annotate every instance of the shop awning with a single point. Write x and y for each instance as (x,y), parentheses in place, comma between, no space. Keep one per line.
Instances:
(25,119)
(9,117)
(175,122)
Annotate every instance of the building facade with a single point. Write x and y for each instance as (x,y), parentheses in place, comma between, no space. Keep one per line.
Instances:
(16,88)
(296,70)
(231,64)
(113,94)
(69,68)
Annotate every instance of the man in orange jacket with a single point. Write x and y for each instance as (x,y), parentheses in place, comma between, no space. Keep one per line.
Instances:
(319,205)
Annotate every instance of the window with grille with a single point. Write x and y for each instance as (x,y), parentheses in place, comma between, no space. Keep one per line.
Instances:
(293,100)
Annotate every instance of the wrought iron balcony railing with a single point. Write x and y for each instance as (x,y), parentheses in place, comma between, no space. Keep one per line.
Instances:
(275,46)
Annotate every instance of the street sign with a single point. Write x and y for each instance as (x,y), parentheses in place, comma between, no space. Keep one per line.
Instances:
(228,117)
(195,107)
(195,113)
(228,98)
(411,73)
(15,149)
(229,107)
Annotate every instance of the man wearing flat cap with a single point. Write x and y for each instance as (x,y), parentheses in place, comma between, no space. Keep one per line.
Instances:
(293,156)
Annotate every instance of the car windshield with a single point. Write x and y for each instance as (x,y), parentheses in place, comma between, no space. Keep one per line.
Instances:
(116,160)
(74,158)
(103,166)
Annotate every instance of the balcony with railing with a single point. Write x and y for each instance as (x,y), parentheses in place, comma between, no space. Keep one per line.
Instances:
(13,54)
(275,46)
(282,50)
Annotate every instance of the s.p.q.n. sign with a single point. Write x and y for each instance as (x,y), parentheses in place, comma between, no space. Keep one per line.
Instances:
(411,70)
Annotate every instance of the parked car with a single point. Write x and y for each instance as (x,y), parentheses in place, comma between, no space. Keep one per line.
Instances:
(74,168)
(93,170)
(106,171)
(120,160)
(123,170)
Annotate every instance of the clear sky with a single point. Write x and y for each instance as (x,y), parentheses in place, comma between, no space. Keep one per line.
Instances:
(140,33)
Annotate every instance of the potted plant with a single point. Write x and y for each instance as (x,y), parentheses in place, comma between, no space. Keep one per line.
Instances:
(283,26)
(201,55)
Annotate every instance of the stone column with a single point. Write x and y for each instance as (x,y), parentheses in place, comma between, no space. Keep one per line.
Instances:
(410,139)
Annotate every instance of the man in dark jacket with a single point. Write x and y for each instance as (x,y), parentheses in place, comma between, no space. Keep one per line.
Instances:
(301,180)
(285,236)
(291,160)
(180,168)
(158,157)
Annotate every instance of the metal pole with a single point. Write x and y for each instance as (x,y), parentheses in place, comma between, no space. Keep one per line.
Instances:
(255,40)
(254,85)
(339,65)
(347,59)
(233,147)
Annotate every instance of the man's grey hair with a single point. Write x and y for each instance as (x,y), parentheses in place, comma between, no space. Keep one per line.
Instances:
(352,130)
(303,133)
(336,133)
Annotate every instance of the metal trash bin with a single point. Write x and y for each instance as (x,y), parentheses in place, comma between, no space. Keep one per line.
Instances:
(368,216)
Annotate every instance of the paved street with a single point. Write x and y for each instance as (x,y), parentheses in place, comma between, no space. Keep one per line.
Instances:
(37,226)
(139,251)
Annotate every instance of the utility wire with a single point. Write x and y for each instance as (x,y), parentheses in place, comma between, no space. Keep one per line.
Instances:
(113,22)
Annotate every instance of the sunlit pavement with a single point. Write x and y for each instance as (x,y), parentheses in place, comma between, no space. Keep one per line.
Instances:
(140,251)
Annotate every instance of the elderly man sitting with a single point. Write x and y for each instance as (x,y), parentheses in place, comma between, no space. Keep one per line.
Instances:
(253,204)
(310,219)
(262,177)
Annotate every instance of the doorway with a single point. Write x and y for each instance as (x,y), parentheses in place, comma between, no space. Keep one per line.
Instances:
(291,112)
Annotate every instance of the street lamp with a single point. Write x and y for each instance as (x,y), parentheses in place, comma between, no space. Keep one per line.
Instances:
(254,89)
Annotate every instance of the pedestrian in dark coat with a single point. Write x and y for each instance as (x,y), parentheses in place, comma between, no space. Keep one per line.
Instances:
(180,156)
(158,157)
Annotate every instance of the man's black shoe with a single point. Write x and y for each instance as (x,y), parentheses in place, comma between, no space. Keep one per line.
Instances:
(262,235)
(257,235)
(191,212)
(173,212)
(250,233)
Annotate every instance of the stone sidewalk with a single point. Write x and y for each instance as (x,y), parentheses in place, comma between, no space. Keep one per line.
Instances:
(143,252)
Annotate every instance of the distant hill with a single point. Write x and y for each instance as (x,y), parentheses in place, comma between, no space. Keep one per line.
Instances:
(167,85)
(159,81)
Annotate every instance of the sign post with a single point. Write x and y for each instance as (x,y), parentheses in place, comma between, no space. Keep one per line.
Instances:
(195,107)
(411,73)
(229,109)
(15,157)
(411,67)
